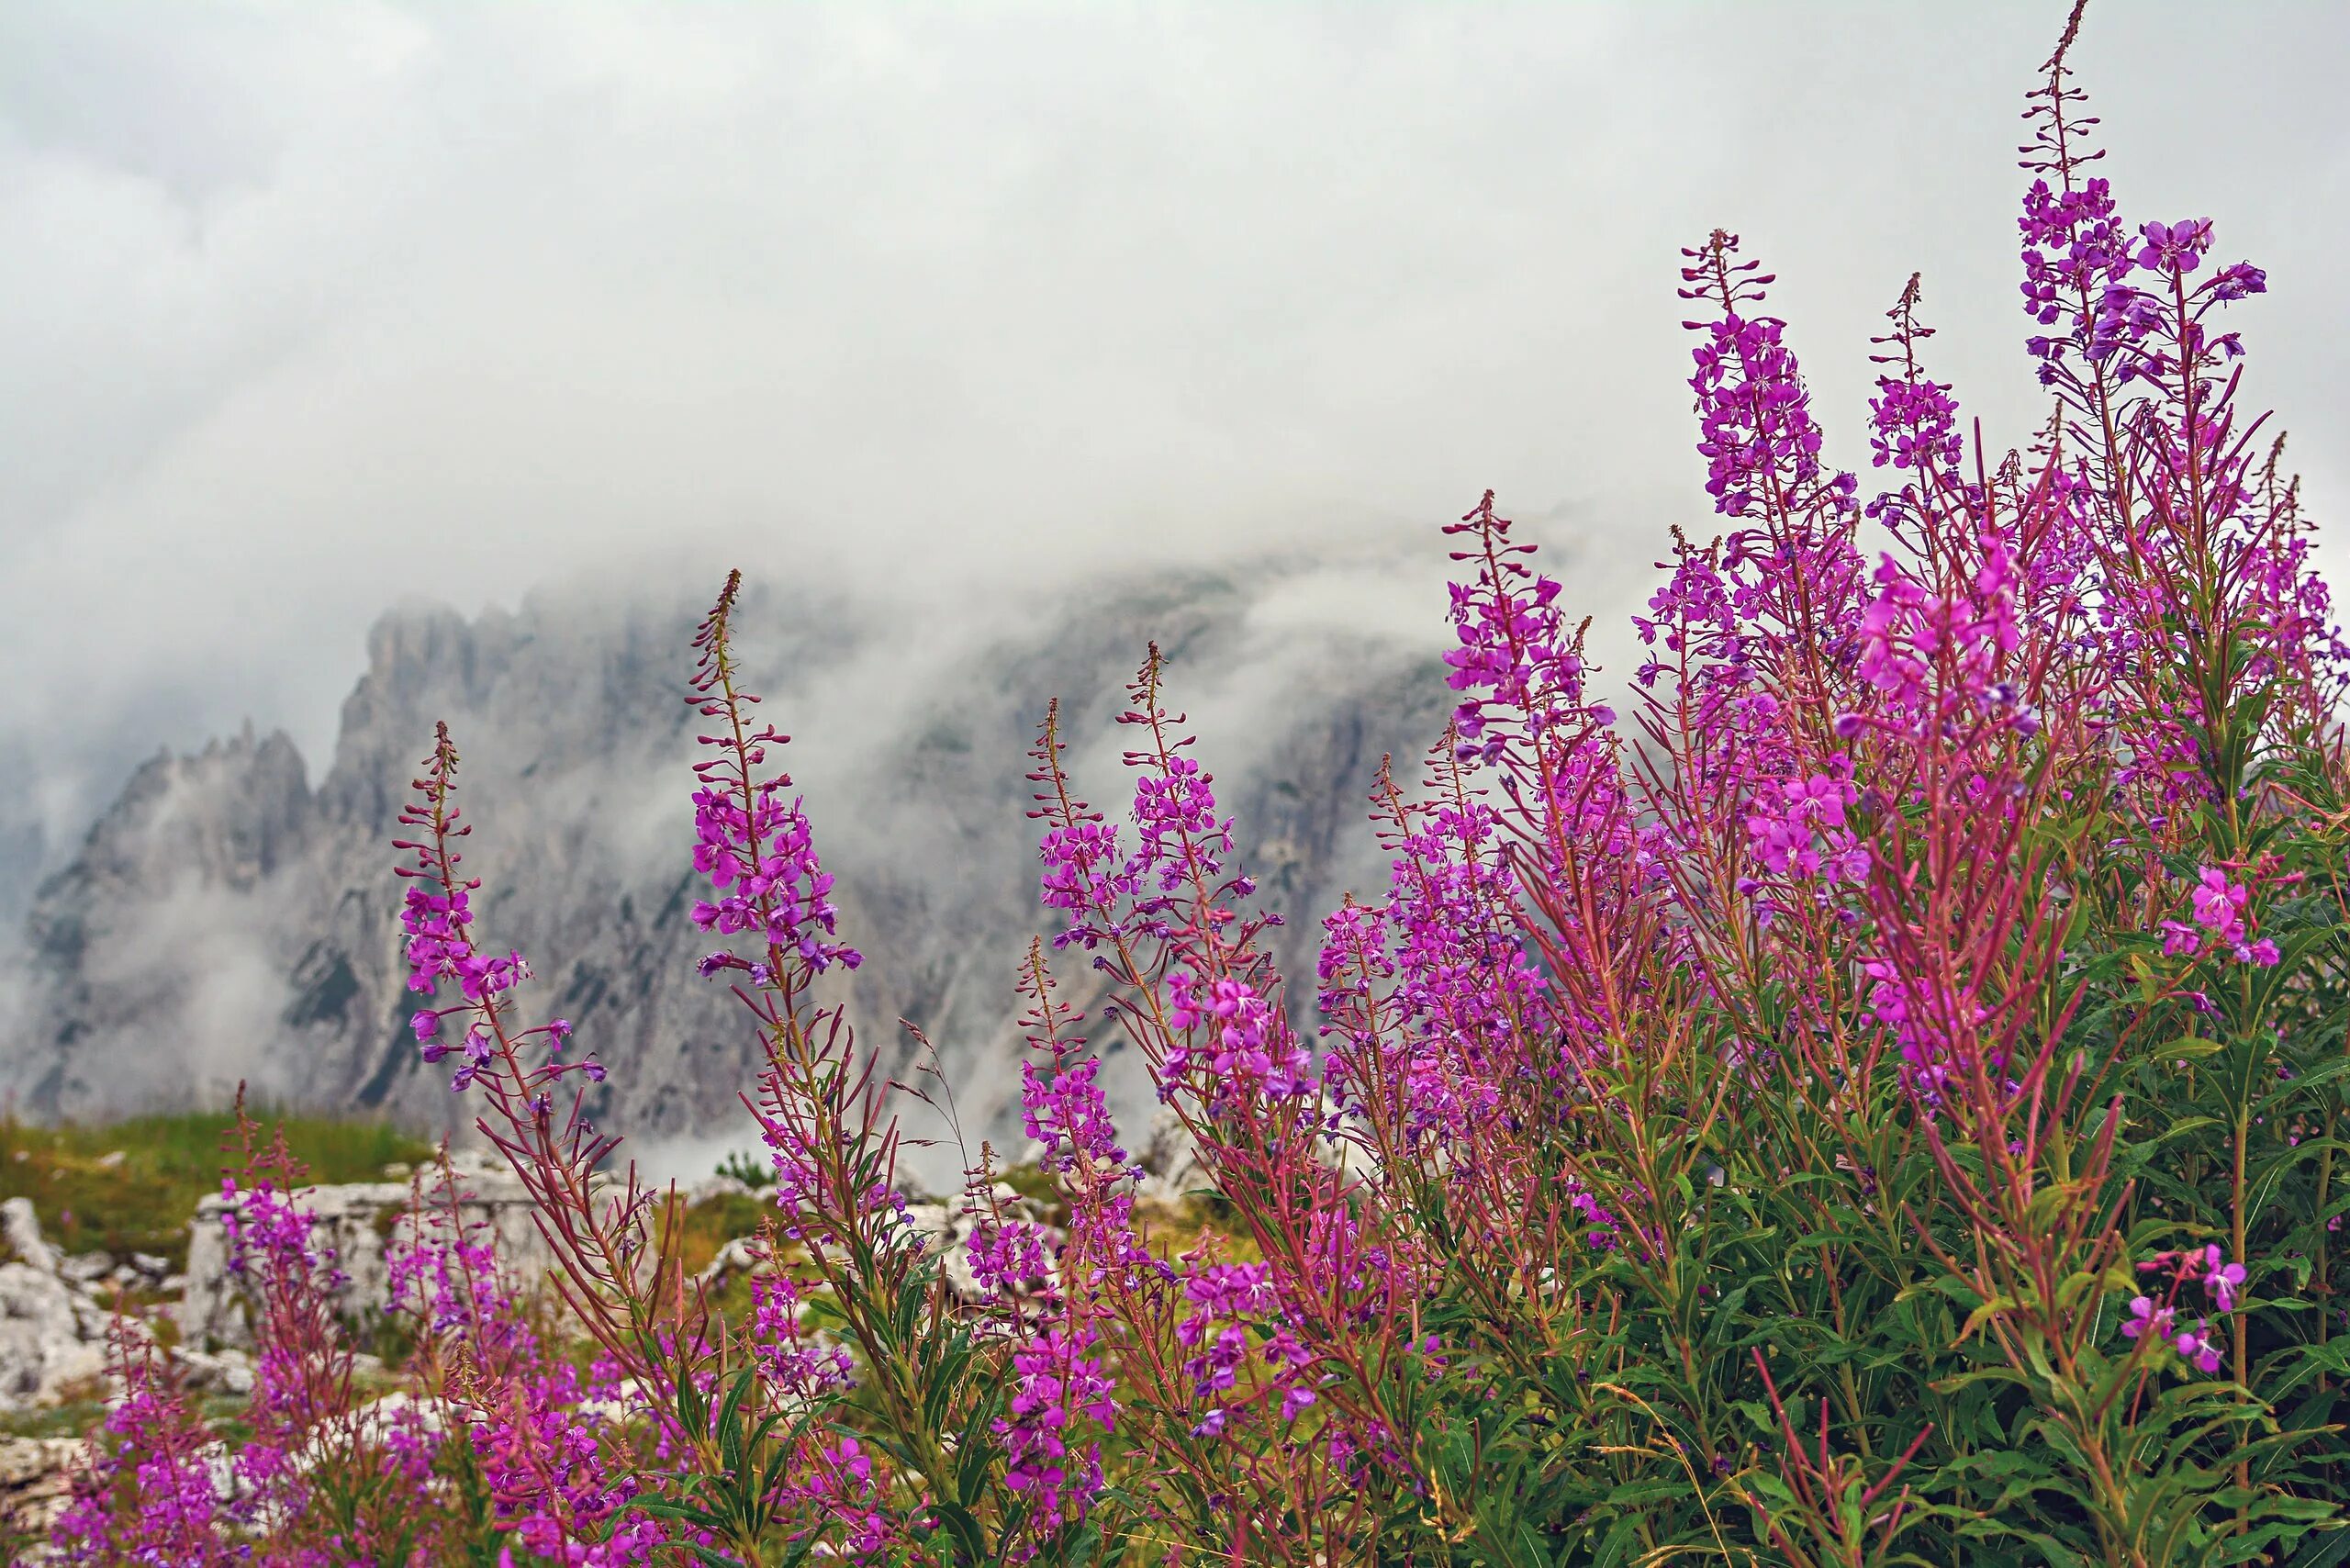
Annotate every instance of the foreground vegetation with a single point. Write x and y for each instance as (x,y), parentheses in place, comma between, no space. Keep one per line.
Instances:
(1876,1099)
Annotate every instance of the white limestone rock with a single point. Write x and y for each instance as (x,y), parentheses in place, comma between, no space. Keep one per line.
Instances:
(20,1229)
(1169,1160)
(356,1222)
(36,1484)
(51,1339)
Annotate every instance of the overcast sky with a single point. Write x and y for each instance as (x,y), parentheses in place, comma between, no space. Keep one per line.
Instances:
(307,308)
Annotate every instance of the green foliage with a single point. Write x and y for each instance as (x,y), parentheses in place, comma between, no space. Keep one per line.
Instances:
(1798,1229)
(131,1186)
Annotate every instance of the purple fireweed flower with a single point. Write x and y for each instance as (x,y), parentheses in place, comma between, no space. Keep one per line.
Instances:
(1352,963)
(763,863)
(1230,1301)
(1064,1109)
(151,1444)
(1798,828)
(1230,1295)
(2073,245)
(758,851)
(1174,811)
(1529,716)
(437,922)
(2076,255)
(1447,944)
(2219,904)
(1599,1223)
(2174,248)
(1062,1402)
(1914,425)
(1084,871)
(2221,911)
(2147,1319)
(2196,1345)
(1007,1255)
(1248,1046)
(1696,618)
(1755,429)
(1519,664)
(557,1483)
(2222,1278)
(793,1359)
(1932,1027)
(1934,656)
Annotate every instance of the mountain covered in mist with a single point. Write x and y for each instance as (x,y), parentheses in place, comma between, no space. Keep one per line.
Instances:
(226,920)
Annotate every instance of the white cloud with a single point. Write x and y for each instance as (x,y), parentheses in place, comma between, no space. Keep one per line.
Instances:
(310,308)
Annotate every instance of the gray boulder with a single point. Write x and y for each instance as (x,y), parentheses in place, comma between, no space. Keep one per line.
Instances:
(355,1222)
(52,1337)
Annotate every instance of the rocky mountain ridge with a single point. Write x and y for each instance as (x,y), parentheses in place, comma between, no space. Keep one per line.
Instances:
(226,921)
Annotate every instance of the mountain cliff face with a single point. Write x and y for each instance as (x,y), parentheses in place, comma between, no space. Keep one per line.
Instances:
(227,921)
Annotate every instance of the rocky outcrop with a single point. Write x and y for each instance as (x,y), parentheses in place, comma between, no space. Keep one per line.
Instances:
(1169,1160)
(20,1233)
(36,1485)
(53,1326)
(52,1337)
(226,921)
(357,1223)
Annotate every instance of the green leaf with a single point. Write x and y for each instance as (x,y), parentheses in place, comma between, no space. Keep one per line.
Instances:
(970,1541)
(1976,1319)
(2324,1550)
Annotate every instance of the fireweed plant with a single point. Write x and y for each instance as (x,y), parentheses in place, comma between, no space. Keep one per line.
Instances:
(323,1476)
(1878,1100)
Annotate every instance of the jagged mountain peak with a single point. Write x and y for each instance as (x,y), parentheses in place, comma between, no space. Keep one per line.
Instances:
(225,923)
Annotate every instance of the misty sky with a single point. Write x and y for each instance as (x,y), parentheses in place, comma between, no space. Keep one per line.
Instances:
(305,308)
